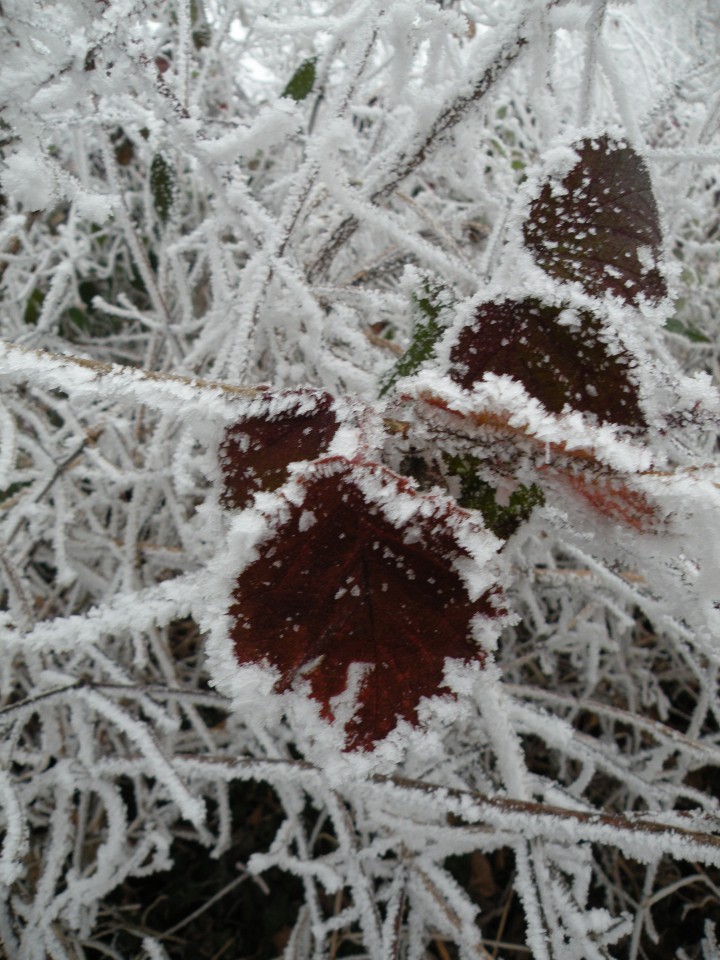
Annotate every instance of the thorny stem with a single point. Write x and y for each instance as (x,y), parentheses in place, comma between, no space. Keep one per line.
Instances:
(107,375)
(707,752)
(18,588)
(525,810)
(634,822)
(453,918)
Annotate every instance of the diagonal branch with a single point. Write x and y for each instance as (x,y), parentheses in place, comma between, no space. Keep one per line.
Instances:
(642,836)
(447,117)
(80,376)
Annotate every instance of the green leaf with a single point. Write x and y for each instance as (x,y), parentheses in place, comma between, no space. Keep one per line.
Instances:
(478,494)
(302,81)
(675,326)
(162,186)
(426,334)
(33,307)
(201,37)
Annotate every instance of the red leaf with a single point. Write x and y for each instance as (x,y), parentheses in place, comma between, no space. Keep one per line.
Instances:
(558,364)
(609,496)
(364,572)
(600,226)
(256,452)
(511,449)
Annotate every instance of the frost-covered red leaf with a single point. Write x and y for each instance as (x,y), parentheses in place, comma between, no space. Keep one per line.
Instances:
(255,453)
(600,224)
(366,583)
(582,462)
(609,496)
(556,353)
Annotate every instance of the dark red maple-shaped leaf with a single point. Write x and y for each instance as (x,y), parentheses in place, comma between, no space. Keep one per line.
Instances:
(255,452)
(600,225)
(560,364)
(341,584)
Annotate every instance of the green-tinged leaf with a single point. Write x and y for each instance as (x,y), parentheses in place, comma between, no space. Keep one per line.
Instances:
(690,333)
(477,494)
(201,37)
(302,81)
(426,334)
(600,226)
(162,186)
(33,307)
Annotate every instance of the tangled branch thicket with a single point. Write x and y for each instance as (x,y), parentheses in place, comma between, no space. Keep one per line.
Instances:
(207,203)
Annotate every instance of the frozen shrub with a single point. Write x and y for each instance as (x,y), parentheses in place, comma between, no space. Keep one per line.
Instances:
(358,478)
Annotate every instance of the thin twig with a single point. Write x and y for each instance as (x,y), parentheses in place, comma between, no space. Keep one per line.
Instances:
(206,906)
(206,697)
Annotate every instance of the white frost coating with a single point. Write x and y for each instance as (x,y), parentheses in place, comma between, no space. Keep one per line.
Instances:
(154,949)
(15,839)
(345,443)
(12,224)
(192,808)
(29,180)
(8,436)
(306,521)
(476,577)
(181,397)
(281,259)
(156,605)
(97,207)
(272,125)
(494,706)
(344,705)
(558,161)
(249,686)
(571,431)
